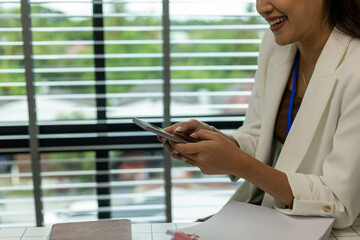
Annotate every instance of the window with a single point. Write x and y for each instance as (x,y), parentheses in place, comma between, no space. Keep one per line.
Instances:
(74,73)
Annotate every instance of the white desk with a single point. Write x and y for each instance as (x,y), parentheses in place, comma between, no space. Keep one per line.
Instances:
(155,231)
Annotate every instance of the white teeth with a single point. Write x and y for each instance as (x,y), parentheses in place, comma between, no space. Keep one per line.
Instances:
(276,21)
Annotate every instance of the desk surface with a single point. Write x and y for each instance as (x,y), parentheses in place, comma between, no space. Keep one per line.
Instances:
(154,231)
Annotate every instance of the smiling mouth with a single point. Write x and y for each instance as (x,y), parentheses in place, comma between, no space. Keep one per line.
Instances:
(277,21)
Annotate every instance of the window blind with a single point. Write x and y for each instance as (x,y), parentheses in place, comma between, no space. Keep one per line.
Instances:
(94,65)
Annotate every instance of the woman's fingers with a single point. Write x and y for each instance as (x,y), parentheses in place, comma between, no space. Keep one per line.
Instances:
(177,155)
(189,161)
(188,127)
(191,126)
(161,139)
(181,157)
(168,147)
(185,129)
(203,136)
(172,129)
(200,134)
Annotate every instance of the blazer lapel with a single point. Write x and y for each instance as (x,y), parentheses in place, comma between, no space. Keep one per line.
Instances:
(278,73)
(314,104)
(305,124)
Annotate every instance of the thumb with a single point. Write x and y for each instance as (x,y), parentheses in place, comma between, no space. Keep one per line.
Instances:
(203,134)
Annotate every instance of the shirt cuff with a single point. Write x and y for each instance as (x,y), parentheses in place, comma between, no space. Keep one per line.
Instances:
(304,202)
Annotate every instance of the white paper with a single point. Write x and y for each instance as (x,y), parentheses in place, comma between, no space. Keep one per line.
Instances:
(242,221)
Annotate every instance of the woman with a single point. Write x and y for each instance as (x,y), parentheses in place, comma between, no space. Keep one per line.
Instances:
(300,141)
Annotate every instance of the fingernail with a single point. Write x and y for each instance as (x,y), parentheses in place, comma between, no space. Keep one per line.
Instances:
(193,135)
(175,152)
(178,129)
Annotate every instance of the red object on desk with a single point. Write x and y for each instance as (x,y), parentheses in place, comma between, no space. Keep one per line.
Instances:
(183,236)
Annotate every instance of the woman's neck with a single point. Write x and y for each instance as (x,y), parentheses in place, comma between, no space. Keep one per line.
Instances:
(310,50)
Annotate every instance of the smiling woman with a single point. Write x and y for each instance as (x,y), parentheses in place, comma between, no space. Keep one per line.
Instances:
(304,23)
(298,147)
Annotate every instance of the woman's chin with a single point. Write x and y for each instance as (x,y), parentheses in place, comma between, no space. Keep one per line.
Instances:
(282,41)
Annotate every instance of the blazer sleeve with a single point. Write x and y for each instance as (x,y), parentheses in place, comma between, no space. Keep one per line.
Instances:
(336,192)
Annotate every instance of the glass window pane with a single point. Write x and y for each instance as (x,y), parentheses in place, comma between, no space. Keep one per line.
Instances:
(16,190)
(214,56)
(63,60)
(69,187)
(13,105)
(138,185)
(133,48)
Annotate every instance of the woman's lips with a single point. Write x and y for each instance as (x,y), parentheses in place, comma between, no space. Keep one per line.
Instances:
(276,22)
(276,27)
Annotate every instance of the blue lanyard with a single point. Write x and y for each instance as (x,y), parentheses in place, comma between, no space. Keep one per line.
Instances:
(291,104)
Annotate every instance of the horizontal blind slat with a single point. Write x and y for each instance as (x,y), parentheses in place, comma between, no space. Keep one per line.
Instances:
(132,69)
(142,28)
(130,82)
(136,42)
(138,55)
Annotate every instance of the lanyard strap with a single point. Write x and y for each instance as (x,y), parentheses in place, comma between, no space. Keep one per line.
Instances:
(292,97)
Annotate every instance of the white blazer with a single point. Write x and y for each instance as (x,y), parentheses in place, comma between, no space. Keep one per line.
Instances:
(321,154)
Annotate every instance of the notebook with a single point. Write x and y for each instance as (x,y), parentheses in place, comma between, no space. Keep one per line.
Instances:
(95,230)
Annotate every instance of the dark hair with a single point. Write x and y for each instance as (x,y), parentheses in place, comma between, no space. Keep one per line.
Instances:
(344,14)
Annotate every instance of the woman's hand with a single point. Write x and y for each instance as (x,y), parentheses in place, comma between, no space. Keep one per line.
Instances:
(183,130)
(213,154)
(187,130)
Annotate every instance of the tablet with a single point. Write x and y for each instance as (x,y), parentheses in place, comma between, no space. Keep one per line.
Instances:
(157,130)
